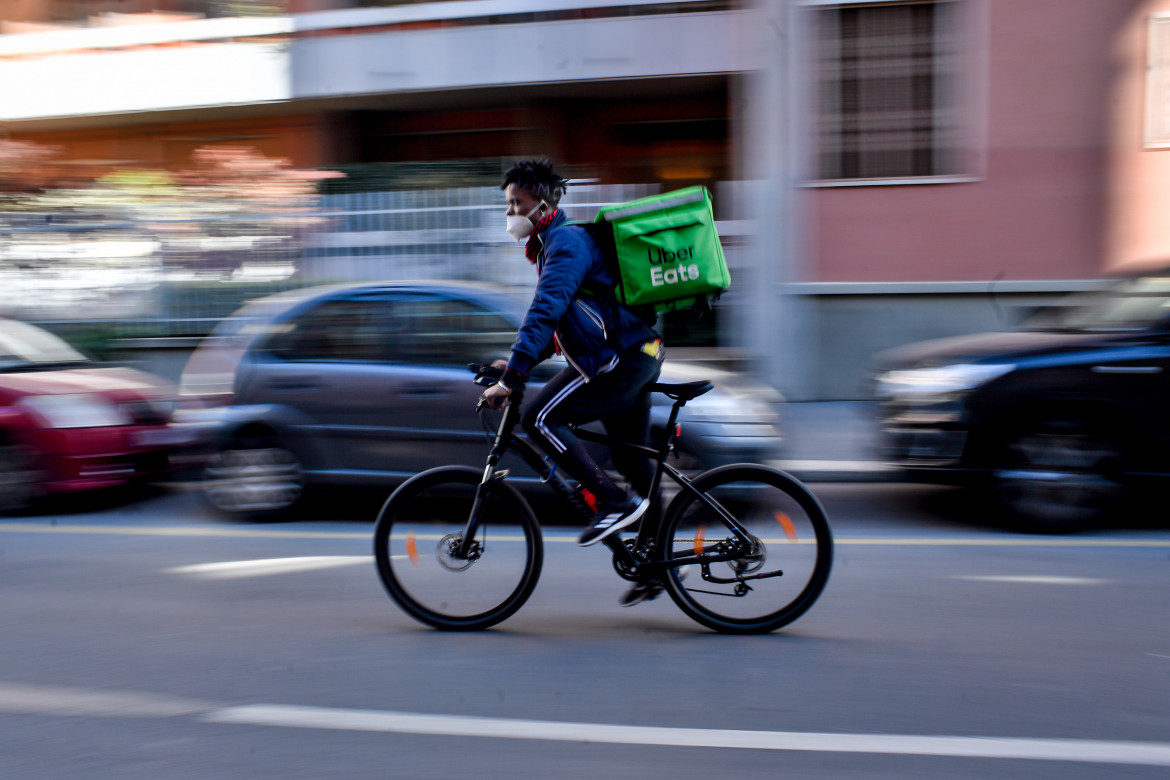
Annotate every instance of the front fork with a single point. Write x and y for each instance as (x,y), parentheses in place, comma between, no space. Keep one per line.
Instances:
(468,547)
(506,440)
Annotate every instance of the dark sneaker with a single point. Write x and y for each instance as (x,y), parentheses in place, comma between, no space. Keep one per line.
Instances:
(611,519)
(647,590)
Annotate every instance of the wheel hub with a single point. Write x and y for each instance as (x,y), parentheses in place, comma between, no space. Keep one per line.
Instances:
(447,549)
(753,561)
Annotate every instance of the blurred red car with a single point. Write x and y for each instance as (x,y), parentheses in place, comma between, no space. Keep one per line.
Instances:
(68,424)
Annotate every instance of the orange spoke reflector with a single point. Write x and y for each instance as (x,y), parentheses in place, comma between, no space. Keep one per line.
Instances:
(700,534)
(411,548)
(786,523)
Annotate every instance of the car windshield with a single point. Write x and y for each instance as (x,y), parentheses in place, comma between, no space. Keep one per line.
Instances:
(24,346)
(1135,304)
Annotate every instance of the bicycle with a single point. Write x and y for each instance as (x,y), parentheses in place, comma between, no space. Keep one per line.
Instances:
(461,549)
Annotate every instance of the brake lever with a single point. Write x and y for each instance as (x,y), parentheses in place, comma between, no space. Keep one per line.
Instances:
(485,376)
(488,376)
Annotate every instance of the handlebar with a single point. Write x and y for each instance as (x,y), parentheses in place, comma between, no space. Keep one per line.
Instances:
(485,376)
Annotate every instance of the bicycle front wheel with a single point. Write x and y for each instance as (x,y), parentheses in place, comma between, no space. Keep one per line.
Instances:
(755,586)
(416,543)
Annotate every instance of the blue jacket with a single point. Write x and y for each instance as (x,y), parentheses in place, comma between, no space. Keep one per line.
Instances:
(592,328)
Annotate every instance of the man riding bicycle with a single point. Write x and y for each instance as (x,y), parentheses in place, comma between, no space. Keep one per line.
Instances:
(613,355)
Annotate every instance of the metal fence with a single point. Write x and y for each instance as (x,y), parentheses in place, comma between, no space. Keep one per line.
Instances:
(432,234)
(158,272)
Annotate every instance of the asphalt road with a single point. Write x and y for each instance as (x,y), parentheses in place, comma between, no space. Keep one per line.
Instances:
(154,640)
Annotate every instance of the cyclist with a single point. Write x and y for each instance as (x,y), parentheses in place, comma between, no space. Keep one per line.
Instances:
(613,354)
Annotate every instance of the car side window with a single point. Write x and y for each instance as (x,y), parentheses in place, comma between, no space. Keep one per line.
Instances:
(446,331)
(351,331)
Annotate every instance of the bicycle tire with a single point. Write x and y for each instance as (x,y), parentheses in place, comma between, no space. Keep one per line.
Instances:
(438,589)
(765,502)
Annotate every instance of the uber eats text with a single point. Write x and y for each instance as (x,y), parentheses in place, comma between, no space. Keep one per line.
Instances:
(674,274)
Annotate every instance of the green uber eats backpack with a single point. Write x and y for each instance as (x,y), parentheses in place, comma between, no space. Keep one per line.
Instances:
(665,251)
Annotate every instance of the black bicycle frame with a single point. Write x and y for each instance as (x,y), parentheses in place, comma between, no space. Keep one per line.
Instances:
(645,536)
(506,439)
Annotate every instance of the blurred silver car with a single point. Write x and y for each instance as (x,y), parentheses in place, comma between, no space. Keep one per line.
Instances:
(367,384)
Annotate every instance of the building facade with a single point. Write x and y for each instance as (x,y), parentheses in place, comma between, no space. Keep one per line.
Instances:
(896,170)
(964,163)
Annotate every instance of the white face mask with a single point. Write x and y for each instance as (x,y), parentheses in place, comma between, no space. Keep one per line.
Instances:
(521,227)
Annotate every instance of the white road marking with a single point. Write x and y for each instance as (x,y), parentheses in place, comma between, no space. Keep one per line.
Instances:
(1034,579)
(1000,541)
(54,527)
(1084,751)
(268,566)
(60,700)
(73,702)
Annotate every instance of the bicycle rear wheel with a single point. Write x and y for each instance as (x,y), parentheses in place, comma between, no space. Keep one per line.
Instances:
(768,582)
(420,527)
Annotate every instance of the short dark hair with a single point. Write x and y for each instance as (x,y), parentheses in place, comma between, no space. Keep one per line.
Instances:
(537,177)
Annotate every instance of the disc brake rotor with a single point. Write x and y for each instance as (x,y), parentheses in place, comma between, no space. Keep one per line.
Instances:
(445,553)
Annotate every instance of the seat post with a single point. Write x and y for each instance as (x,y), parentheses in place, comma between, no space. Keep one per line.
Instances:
(644,530)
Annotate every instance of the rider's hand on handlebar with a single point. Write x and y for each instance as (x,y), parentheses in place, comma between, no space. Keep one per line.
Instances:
(495,396)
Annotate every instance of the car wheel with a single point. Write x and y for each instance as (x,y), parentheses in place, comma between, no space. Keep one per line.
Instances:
(1057,477)
(254,479)
(19,478)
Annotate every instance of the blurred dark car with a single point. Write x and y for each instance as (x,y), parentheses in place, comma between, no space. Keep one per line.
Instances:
(1059,420)
(69,425)
(367,384)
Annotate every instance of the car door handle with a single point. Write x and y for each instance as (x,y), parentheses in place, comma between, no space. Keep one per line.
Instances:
(1126,369)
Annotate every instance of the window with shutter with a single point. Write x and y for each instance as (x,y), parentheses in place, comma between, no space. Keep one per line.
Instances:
(887,95)
(1158,84)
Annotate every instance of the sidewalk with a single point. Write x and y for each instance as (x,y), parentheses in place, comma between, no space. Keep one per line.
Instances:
(832,441)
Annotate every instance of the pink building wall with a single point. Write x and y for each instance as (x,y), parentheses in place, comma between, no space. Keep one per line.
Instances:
(1138,184)
(1063,188)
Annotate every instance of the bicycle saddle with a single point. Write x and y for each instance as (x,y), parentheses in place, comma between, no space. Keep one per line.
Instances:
(684,391)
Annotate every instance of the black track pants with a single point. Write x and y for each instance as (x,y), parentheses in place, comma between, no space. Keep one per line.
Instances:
(619,399)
